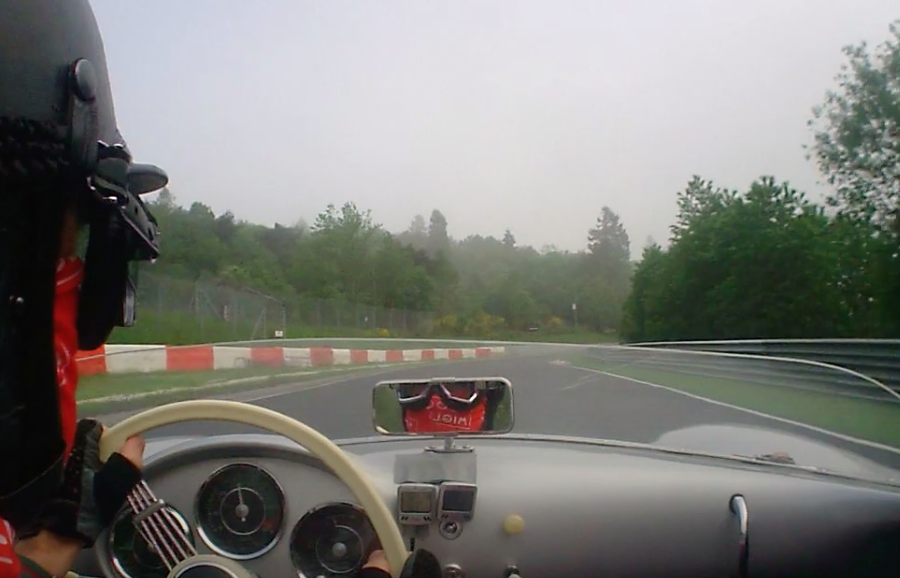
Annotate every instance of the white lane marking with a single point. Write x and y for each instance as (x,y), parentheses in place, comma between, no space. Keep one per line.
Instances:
(820,430)
(298,390)
(579,382)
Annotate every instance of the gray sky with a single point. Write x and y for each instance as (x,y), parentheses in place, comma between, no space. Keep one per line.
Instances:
(524,114)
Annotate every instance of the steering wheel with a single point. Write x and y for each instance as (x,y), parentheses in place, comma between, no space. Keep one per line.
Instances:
(320,446)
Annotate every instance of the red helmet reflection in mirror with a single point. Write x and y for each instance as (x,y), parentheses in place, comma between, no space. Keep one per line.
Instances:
(59,148)
(448,406)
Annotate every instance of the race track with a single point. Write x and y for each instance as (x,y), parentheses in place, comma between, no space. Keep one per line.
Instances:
(549,399)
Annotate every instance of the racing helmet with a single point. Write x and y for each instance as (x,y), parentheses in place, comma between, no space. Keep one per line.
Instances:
(457,395)
(60,151)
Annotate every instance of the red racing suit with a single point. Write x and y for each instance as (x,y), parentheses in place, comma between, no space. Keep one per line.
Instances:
(436,416)
(69,273)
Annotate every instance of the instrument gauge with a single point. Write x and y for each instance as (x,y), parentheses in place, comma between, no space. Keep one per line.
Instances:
(240,511)
(131,555)
(332,540)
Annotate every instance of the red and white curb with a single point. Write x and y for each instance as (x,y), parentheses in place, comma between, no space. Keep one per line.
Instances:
(156,358)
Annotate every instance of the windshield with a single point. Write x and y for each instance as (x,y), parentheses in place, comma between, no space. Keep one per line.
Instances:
(774,409)
(660,226)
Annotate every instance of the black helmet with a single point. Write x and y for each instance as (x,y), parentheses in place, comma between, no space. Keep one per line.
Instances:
(60,149)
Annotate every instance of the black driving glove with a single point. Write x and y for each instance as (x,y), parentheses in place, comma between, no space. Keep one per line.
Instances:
(91,492)
(419,564)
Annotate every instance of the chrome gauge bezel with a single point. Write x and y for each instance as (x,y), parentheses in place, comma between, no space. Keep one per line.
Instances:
(115,562)
(207,539)
(355,507)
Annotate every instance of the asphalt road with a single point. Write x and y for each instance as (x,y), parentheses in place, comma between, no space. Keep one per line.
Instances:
(549,399)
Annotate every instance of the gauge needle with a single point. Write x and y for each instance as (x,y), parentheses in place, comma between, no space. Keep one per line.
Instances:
(242,510)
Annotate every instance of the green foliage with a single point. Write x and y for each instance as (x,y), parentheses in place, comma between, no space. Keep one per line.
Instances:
(345,273)
(857,134)
(756,265)
(857,147)
(767,263)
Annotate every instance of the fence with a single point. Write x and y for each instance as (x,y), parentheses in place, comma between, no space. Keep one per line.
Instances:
(876,358)
(177,311)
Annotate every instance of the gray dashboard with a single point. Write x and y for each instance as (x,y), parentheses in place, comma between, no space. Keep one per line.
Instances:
(588,509)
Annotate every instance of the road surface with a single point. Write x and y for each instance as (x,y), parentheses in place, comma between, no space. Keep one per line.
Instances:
(550,398)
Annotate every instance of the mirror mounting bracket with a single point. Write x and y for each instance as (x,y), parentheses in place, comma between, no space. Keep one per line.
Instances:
(450,447)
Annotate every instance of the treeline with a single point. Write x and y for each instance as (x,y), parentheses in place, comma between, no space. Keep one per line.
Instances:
(477,286)
(766,263)
(769,263)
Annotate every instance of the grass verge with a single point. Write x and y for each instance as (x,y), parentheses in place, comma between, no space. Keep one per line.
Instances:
(171,329)
(869,420)
(109,393)
(377,343)
(122,384)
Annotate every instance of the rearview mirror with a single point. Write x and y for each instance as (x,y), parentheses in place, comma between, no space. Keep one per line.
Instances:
(443,406)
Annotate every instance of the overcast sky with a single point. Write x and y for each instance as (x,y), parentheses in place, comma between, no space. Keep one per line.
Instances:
(524,114)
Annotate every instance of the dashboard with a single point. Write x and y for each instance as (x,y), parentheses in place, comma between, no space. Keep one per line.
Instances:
(536,507)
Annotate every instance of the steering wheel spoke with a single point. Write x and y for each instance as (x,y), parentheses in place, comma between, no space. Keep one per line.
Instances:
(159,527)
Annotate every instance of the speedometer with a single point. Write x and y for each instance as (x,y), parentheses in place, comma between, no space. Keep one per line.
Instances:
(240,510)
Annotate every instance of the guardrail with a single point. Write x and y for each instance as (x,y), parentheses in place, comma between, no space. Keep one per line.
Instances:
(666,366)
(876,358)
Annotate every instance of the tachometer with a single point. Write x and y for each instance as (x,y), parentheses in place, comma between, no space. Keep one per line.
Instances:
(132,556)
(240,510)
(332,540)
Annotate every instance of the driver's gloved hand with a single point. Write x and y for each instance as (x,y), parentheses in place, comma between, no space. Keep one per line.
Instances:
(91,492)
(419,564)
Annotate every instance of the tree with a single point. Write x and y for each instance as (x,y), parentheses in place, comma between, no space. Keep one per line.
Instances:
(609,268)
(756,265)
(509,241)
(166,199)
(857,148)
(438,237)
(418,227)
(608,243)
(480,283)
(700,199)
(251,264)
(417,233)
(202,212)
(225,227)
(857,134)
(645,309)
(346,239)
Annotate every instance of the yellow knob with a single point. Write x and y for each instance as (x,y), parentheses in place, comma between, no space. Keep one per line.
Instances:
(514,524)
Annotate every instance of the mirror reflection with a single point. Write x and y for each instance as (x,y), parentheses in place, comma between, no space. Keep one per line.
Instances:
(443,406)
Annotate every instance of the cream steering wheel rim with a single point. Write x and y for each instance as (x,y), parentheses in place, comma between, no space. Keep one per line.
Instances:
(319,445)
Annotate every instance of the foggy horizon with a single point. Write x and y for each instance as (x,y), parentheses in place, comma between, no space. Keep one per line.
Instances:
(529,116)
